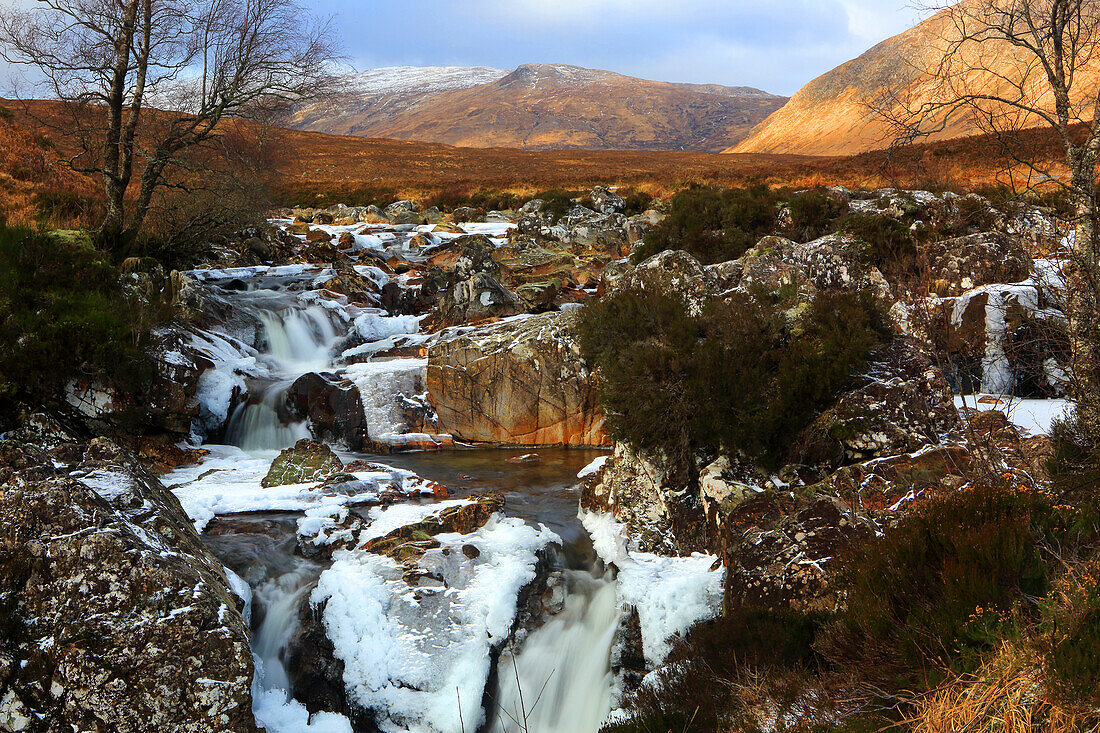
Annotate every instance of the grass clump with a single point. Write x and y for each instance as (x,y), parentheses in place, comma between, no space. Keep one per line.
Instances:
(63,316)
(746,375)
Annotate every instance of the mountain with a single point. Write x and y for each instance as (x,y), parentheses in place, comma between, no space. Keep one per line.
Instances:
(539,107)
(834,114)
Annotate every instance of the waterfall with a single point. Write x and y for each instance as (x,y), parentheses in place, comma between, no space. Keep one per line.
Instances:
(560,679)
(275,708)
(296,340)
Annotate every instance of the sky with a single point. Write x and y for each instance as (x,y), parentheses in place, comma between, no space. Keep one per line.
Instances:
(775,45)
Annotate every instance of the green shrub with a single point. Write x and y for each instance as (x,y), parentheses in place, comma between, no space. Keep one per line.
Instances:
(742,376)
(556,203)
(769,651)
(946,585)
(1072,660)
(636,202)
(888,244)
(813,214)
(63,316)
(712,224)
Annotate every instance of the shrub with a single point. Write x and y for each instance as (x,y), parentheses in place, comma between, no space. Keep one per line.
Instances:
(943,588)
(740,377)
(713,224)
(63,315)
(888,244)
(556,203)
(812,214)
(636,202)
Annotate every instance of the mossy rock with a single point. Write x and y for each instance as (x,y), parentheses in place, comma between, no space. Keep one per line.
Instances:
(306,462)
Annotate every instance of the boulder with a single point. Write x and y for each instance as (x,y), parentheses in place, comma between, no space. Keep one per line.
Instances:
(348,281)
(831,262)
(671,272)
(476,299)
(463,214)
(116,617)
(333,407)
(606,201)
(901,403)
(961,264)
(521,382)
(306,462)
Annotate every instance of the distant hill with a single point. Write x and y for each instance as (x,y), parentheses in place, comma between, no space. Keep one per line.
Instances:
(539,107)
(833,114)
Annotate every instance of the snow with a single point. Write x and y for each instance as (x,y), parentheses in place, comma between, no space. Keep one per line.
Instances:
(594,467)
(1034,416)
(228,482)
(418,653)
(489,229)
(421,79)
(108,484)
(276,712)
(671,594)
(374,326)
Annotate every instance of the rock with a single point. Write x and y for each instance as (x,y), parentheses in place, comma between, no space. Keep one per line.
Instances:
(348,281)
(431,215)
(306,462)
(958,265)
(827,263)
(902,402)
(463,214)
(476,299)
(318,235)
(606,201)
(671,272)
(333,407)
(323,218)
(116,617)
(465,256)
(408,543)
(780,551)
(517,383)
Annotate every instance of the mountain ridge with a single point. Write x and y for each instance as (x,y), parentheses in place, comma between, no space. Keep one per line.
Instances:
(539,107)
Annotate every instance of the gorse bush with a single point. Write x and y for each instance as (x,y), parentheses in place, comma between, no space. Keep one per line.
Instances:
(741,377)
(713,224)
(63,316)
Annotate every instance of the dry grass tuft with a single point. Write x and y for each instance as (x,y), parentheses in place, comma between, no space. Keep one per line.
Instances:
(1006,695)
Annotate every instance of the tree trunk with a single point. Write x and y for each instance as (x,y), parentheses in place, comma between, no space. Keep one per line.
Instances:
(1083,290)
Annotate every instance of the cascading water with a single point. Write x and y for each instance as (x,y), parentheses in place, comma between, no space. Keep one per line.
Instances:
(296,340)
(559,680)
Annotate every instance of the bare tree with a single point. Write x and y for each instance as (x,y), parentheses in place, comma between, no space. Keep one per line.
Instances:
(1006,66)
(145,82)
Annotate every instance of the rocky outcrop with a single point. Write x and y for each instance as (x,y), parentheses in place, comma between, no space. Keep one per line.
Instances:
(307,461)
(114,615)
(960,264)
(900,403)
(520,382)
(478,298)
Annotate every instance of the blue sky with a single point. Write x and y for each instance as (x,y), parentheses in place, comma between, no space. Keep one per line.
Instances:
(776,45)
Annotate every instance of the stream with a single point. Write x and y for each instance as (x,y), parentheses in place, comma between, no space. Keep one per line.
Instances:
(557,678)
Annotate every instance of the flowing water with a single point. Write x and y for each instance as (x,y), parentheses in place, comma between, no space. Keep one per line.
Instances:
(557,679)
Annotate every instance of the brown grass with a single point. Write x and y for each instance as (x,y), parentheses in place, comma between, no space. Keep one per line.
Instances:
(325,169)
(1004,696)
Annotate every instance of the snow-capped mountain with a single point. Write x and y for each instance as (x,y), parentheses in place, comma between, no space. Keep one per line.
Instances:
(539,106)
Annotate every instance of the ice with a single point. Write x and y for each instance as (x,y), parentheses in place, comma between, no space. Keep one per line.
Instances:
(233,360)
(228,482)
(671,594)
(594,467)
(420,653)
(379,383)
(375,326)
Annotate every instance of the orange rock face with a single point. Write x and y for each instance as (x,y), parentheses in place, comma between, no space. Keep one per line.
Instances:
(519,382)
